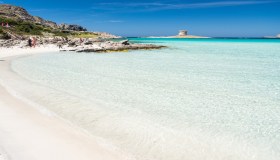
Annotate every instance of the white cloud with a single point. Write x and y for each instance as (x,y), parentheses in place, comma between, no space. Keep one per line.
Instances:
(220,4)
(171,6)
(115,21)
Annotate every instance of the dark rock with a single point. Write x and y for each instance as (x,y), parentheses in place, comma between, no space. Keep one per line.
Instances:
(125,42)
(71,44)
(72,27)
(88,43)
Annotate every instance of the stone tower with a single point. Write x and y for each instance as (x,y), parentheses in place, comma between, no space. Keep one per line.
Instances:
(183,33)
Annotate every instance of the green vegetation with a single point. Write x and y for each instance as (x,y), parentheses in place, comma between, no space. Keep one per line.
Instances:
(59,33)
(8,20)
(28,28)
(21,27)
(3,35)
(84,35)
(24,28)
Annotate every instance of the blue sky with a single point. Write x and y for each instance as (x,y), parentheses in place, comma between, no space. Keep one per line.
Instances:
(215,18)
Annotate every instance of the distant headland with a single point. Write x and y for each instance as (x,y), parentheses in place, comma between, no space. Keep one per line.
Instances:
(277,36)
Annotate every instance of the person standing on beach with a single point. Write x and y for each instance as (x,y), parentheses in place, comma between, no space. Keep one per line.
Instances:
(34,41)
(81,40)
(59,44)
(30,42)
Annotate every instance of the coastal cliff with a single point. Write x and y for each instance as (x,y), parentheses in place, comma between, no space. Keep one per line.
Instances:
(17,23)
(20,14)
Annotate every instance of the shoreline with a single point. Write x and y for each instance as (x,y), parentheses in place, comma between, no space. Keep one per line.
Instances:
(217,143)
(28,134)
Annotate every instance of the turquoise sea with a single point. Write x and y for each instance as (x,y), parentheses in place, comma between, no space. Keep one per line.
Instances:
(198,99)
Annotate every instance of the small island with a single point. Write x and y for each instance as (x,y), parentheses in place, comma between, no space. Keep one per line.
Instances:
(181,34)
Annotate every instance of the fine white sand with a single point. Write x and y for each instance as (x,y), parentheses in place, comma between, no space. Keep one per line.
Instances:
(6,52)
(28,134)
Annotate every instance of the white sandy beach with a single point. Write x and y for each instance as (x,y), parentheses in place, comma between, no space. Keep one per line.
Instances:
(9,52)
(28,134)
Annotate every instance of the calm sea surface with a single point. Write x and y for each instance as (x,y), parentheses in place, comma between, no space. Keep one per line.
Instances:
(198,99)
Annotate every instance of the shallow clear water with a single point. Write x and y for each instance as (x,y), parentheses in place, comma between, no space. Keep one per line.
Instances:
(197,99)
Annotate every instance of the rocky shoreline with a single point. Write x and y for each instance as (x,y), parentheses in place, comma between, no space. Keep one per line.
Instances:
(82,45)
(108,46)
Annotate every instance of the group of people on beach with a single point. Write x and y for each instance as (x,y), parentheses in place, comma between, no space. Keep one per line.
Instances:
(32,42)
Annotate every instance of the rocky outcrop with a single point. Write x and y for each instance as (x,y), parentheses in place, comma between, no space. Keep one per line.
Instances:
(11,43)
(20,13)
(72,27)
(125,42)
(107,46)
(43,22)
(15,12)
